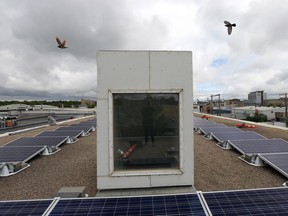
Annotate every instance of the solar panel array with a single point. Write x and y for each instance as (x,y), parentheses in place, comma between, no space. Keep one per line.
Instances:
(257,150)
(186,204)
(15,154)
(270,201)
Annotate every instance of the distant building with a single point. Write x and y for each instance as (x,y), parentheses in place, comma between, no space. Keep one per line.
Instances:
(257,98)
(233,103)
(275,102)
(243,112)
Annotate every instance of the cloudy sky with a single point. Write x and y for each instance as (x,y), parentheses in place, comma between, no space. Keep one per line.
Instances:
(254,57)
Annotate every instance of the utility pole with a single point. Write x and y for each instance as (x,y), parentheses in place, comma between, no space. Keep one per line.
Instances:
(286,105)
(219,103)
(211,105)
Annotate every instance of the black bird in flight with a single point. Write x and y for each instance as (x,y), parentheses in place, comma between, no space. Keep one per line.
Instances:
(61,45)
(229,26)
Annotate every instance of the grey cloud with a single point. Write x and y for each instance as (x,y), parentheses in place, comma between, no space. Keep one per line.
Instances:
(281,77)
(86,26)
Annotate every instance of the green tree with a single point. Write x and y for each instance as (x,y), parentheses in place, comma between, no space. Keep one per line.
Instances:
(258,117)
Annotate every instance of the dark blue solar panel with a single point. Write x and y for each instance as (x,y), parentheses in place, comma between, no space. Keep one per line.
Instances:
(198,124)
(36,207)
(260,146)
(69,129)
(94,124)
(248,202)
(239,135)
(19,153)
(208,130)
(279,161)
(71,133)
(188,204)
(38,141)
(87,128)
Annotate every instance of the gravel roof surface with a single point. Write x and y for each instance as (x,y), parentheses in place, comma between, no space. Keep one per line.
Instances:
(75,165)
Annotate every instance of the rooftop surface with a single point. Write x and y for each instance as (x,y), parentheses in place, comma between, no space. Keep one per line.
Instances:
(75,166)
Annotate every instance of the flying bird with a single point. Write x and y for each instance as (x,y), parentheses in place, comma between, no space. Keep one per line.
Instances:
(229,26)
(61,45)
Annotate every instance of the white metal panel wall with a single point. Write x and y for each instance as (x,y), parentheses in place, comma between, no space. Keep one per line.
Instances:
(151,71)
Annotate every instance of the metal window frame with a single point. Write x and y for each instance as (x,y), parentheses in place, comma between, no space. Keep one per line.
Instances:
(111,132)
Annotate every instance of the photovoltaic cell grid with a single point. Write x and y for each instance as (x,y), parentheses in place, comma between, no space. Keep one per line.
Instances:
(260,146)
(208,130)
(239,135)
(71,133)
(273,201)
(199,124)
(89,121)
(85,127)
(270,201)
(278,161)
(19,153)
(69,129)
(38,141)
(188,204)
(32,207)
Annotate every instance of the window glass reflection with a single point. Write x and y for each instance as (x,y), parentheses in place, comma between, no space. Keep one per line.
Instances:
(145,131)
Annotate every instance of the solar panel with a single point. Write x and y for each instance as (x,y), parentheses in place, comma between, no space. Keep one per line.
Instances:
(197,125)
(19,153)
(15,158)
(94,124)
(51,143)
(260,146)
(38,141)
(269,201)
(86,127)
(224,137)
(72,134)
(31,207)
(93,119)
(76,130)
(278,161)
(186,204)
(251,148)
(209,130)
(272,201)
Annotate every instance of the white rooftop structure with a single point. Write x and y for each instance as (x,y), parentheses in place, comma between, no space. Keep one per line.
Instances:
(144,119)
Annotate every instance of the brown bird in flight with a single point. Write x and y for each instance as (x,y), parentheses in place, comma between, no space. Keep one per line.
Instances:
(229,26)
(61,45)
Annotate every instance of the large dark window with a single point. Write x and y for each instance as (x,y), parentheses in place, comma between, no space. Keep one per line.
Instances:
(145,131)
